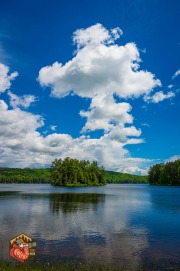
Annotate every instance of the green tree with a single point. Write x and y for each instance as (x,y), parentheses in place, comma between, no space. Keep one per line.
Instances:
(165,174)
(72,172)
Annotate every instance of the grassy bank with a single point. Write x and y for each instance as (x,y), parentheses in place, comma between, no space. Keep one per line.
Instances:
(62,266)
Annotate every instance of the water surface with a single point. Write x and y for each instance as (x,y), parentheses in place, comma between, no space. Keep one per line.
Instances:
(127,225)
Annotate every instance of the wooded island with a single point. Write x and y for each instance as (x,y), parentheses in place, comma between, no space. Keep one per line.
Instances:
(72,172)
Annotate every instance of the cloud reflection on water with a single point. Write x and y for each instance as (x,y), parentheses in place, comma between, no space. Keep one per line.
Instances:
(87,226)
(130,225)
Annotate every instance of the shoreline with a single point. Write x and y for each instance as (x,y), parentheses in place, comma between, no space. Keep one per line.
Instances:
(8,265)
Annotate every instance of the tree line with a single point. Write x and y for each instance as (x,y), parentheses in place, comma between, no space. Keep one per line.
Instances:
(72,172)
(118,177)
(68,172)
(165,173)
(25,175)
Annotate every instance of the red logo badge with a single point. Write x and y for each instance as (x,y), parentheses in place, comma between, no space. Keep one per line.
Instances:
(22,247)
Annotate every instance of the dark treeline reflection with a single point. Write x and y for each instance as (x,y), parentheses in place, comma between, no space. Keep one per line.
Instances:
(73,202)
(166,199)
(8,193)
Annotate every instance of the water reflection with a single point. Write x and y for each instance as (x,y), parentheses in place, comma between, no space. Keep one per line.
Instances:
(124,224)
(8,193)
(72,202)
(166,199)
(86,226)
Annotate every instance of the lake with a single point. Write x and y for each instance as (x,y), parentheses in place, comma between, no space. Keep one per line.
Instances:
(124,224)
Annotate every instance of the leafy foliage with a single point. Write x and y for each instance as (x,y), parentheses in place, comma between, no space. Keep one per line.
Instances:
(43,175)
(72,172)
(117,177)
(165,174)
(26,175)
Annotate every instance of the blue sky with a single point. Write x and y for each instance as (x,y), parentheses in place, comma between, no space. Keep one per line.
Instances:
(95,80)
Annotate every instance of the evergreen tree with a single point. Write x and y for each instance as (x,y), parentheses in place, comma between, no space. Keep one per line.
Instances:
(165,174)
(72,172)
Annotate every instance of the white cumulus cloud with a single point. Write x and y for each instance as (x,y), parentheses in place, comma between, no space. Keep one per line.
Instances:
(96,35)
(173,158)
(100,70)
(159,97)
(176,74)
(99,66)
(5,77)
(24,101)
(53,127)
(104,113)
(21,145)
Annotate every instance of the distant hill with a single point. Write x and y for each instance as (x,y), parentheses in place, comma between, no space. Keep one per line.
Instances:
(25,175)
(43,175)
(117,177)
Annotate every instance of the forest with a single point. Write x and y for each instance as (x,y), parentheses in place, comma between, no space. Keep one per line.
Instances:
(72,172)
(25,175)
(118,177)
(48,175)
(165,173)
